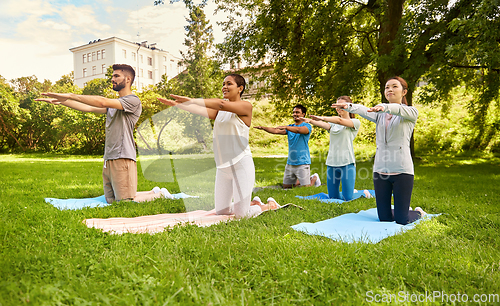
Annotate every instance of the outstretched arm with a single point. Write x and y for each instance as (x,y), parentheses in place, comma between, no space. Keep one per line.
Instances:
(271,130)
(191,106)
(359,109)
(294,129)
(405,111)
(316,121)
(94,104)
(334,119)
(240,108)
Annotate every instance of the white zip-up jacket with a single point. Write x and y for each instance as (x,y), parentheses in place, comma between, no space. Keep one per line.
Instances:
(393,142)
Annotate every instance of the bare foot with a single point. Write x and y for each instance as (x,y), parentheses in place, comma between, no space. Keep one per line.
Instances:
(272,204)
(421,211)
(256,201)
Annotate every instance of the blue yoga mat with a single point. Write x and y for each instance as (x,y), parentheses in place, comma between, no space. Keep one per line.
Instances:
(363,226)
(323,197)
(93,202)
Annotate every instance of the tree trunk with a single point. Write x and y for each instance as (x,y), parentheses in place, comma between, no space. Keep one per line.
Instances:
(390,20)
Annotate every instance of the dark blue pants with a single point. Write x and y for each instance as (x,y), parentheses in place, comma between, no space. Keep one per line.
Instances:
(401,185)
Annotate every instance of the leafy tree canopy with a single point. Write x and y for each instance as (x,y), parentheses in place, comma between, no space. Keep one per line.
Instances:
(324,49)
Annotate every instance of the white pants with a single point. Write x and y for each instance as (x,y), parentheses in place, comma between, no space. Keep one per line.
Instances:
(236,182)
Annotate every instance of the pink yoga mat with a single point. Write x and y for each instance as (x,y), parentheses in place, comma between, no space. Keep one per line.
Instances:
(156,223)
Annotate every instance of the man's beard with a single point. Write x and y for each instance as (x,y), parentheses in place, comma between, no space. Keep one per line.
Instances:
(118,87)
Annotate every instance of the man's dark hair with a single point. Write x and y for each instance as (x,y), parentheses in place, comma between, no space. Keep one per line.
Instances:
(301,107)
(127,69)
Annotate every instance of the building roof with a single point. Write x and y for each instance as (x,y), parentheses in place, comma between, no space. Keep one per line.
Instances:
(92,43)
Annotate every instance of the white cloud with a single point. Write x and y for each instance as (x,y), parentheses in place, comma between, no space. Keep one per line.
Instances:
(83,19)
(20,60)
(162,24)
(18,8)
(41,38)
(36,35)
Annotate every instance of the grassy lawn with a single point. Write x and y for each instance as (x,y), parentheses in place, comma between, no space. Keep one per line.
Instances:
(49,257)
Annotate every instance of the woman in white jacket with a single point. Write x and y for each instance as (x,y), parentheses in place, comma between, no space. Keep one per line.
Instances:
(393,168)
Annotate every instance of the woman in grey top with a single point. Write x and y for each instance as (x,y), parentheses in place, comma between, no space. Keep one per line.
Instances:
(340,162)
(393,168)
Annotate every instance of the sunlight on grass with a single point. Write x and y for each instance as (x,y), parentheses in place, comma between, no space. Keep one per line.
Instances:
(50,257)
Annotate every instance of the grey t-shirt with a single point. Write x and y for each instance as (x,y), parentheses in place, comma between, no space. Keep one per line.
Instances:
(120,128)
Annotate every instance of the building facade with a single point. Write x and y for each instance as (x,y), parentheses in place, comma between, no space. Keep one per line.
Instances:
(257,80)
(91,61)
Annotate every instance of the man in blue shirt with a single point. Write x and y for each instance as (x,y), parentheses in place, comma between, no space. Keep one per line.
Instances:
(297,170)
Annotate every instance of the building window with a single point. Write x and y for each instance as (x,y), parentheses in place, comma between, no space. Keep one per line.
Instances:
(164,69)
(124,53)
(141,59)
(142,74)
(94,70)
(89,58)
(150,74)
(133,56)
(103,68)
(84,72)
(93,56)
(103,54)
(99,55)
(84,57)
(150,61)
(164,58)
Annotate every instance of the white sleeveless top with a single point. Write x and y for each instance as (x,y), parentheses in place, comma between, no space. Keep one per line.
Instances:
(230,139)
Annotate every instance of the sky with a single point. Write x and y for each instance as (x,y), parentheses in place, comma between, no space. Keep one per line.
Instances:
(36,35)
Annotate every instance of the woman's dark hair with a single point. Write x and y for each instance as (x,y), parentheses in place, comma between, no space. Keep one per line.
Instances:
(240,81)
(348,100)
(403,84)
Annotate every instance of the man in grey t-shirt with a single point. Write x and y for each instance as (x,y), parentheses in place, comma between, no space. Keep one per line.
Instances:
(120,168)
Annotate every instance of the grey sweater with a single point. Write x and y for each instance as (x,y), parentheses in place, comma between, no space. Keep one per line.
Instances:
(393,142)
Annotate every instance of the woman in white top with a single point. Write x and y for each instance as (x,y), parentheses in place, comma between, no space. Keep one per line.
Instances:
(235,176)
(393,168)
(340,162)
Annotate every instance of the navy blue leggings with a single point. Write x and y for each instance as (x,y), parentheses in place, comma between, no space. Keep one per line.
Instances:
(345,174)
(401,185)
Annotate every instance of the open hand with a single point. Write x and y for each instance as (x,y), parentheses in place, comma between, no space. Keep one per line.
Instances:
(51,101)
(307,120)
(168,102)
(375,109)
(339,105)
(316,118)
(180,99)
(54,98)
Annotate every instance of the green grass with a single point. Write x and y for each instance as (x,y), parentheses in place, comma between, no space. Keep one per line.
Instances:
(49,257)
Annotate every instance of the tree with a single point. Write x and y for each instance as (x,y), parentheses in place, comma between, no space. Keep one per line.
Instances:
(325,49)
(66,84)
(202,77)
(11,117)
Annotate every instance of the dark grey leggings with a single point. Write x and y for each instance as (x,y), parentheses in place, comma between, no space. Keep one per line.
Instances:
(401,185)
